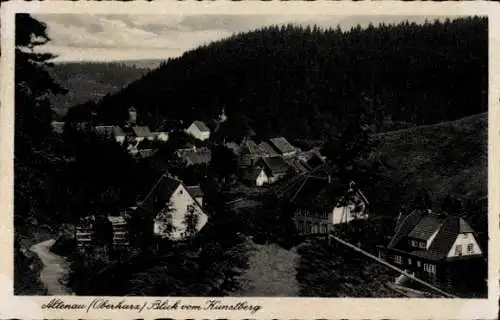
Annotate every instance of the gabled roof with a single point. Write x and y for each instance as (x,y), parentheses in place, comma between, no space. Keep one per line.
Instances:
(141,131)
(425,228)
(421,224)
(197,156)
(104,130)
(266,149)
(201,126)
(249,147)
(117,131)
(276,165)
(195,191)
(159,195)
(251,174)
(282,145)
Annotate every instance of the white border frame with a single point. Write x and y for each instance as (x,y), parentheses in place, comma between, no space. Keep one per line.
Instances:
(282,308)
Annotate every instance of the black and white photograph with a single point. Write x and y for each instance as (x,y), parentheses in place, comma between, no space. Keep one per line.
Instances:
(251,155)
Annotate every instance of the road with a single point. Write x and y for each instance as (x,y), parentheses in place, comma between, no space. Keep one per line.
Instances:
(55,268)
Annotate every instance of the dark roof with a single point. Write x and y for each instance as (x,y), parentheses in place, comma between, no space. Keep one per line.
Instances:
(201,126)
(117,131)
(196,156)
(421,224)
(312,191)
(195,191)
(141,131)
(266,149)
(252,173)
(276,165)
(425,228)
(159,195)
(249,147)
(104,130)
(282,145)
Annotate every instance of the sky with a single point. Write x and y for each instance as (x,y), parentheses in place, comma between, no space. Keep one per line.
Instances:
(79,37)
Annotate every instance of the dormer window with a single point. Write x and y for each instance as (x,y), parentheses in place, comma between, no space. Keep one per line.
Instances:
(422,245)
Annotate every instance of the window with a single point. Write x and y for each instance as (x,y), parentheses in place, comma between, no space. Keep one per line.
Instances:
(398,259)
(458,250)
(419,264)
(429,268)
(422,244)
(409,261)
(470,248)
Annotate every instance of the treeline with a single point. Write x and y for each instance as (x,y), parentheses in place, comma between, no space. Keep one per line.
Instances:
(91,81)
(300,81)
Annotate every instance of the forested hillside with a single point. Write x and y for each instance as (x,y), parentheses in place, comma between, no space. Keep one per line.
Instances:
(300,81)
(92,80)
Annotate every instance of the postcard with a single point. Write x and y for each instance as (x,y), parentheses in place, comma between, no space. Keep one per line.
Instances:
(250,160)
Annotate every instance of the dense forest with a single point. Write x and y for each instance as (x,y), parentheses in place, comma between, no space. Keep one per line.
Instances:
(91,81)
(300,81)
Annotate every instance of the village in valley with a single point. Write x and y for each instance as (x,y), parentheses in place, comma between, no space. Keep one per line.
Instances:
(250,210)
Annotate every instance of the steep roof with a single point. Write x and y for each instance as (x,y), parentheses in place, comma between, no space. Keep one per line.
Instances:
(141,131)
(117,131)
(201,126)
(249,147)
(282,145)
(195,191)
(420,224)
(159,195)
(104,130)
(251,174)
(266,149)
(276,165)
(194,157)
(425,228)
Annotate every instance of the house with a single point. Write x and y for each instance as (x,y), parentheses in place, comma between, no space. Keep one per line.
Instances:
(435,247)
(321,203)
(249,154)
(283,147)
(199,130)
(275,168)
(266,150)
(160,136)
(139,133)
(170,204)
(195,156)
(111,132)
(256,176)
(144,149)
(132,116)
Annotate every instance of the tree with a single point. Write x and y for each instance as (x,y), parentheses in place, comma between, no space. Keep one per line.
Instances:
(164,220)
(191,221)
(224,162)
(33,84)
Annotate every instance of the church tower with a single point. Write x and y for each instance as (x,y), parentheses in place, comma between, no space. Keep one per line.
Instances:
(132,116)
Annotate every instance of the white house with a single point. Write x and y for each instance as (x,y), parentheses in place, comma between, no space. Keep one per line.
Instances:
(316,210)
(177,212)
(199,130)
(256,176)
(161,136)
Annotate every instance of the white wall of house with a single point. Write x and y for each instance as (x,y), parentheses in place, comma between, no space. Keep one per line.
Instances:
(120,139)
(197,133)
(162,136)
(180,200)
(462,242)
(261,179)
(345,214)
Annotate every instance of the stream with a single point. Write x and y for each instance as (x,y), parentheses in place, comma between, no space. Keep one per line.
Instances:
(55,269)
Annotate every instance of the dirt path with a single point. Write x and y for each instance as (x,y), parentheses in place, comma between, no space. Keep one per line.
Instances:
(271,272)
(55,268)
